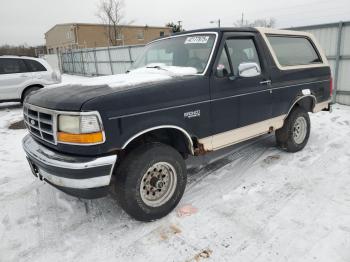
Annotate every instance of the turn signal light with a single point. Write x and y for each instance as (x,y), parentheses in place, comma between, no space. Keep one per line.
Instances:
(89,138)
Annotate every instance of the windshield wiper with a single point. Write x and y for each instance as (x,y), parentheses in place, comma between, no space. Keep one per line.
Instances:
(157,67)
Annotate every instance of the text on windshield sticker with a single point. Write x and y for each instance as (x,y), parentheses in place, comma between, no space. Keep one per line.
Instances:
(197,40)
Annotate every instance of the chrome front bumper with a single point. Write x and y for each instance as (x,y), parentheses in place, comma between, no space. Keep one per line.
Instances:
(66,171)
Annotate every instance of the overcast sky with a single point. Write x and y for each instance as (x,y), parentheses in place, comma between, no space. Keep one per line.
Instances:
(26,21)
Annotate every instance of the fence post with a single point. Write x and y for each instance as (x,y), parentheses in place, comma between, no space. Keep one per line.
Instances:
(59,57)
(130,58)
(72,58)
(337,61)
(95,61)
(82,61)
(110,60)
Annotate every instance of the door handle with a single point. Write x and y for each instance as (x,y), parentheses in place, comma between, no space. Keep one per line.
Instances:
(23,75)
(266,82)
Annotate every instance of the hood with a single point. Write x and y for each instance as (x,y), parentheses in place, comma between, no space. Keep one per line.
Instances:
(72,95)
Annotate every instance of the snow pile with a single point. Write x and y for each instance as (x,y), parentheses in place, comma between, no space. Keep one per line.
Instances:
(254,203)
(133,78)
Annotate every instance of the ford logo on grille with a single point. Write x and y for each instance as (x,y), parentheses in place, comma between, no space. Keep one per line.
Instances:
(32,122)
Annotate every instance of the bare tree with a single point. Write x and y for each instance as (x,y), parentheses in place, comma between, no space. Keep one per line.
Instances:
(22,50)
(263,22)
(111,13)
(175,27)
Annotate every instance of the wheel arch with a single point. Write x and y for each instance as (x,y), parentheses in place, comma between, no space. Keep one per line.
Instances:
(180,130)
(28,87)
(308,102)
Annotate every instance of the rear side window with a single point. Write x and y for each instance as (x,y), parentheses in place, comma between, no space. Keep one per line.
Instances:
(294,51)
(34,66)
(12,66)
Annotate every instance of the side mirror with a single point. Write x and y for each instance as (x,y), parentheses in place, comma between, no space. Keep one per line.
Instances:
(249,69)
(221,71)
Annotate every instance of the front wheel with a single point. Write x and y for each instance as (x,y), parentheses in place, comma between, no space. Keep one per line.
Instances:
(294,134)
(150,181)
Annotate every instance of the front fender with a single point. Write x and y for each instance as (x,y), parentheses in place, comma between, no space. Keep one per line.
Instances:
(130,127)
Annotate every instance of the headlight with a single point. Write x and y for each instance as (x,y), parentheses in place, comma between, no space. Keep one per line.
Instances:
(79,129)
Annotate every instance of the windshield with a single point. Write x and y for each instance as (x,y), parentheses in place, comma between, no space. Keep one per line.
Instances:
(189,51)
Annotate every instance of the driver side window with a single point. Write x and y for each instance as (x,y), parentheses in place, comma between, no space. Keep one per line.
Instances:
(242,51)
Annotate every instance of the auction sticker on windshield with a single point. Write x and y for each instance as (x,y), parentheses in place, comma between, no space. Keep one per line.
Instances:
(197,40)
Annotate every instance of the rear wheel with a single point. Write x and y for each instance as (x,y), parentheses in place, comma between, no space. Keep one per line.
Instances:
(294,134)
(150,181)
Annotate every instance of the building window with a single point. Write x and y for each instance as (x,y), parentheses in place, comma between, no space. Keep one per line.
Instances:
(161,33)
(140,35)
(120,36)
(69,35)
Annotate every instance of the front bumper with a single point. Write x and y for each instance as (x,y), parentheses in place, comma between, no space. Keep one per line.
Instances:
(87,177)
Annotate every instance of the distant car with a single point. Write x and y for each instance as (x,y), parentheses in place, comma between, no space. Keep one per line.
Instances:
(21,75)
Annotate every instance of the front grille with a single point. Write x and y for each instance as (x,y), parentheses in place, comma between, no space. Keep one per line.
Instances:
(40,122)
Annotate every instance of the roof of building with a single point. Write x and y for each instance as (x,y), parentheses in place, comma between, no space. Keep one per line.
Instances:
(96,24)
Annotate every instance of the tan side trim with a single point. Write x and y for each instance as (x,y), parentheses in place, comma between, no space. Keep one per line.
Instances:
(319,106)
(237,135)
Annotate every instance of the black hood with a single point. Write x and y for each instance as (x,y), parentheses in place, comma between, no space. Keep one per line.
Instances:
(67,98)
(71,97)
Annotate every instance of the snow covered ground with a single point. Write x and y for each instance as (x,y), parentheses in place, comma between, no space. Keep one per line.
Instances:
(255,203)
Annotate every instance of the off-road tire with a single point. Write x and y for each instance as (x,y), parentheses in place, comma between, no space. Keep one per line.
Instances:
(285,136)
(130,176)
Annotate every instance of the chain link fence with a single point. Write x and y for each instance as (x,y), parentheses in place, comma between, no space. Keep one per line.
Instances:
(335,40)
(99,61)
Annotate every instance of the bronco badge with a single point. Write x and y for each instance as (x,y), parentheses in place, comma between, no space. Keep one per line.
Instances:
(191,114)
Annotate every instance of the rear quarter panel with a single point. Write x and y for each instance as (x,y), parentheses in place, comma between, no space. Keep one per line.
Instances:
(288,83)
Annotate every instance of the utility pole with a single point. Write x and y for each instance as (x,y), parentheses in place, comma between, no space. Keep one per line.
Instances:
(242,21)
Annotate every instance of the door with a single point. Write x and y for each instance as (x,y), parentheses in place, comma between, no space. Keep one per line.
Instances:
(240,101)
(13,77)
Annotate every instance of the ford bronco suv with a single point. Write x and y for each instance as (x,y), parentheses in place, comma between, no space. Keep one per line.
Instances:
(187,94)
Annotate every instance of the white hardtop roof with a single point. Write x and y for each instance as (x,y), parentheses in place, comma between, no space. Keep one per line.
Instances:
(265,30)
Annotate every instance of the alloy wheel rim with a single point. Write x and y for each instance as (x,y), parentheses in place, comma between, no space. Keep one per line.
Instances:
(158,184)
